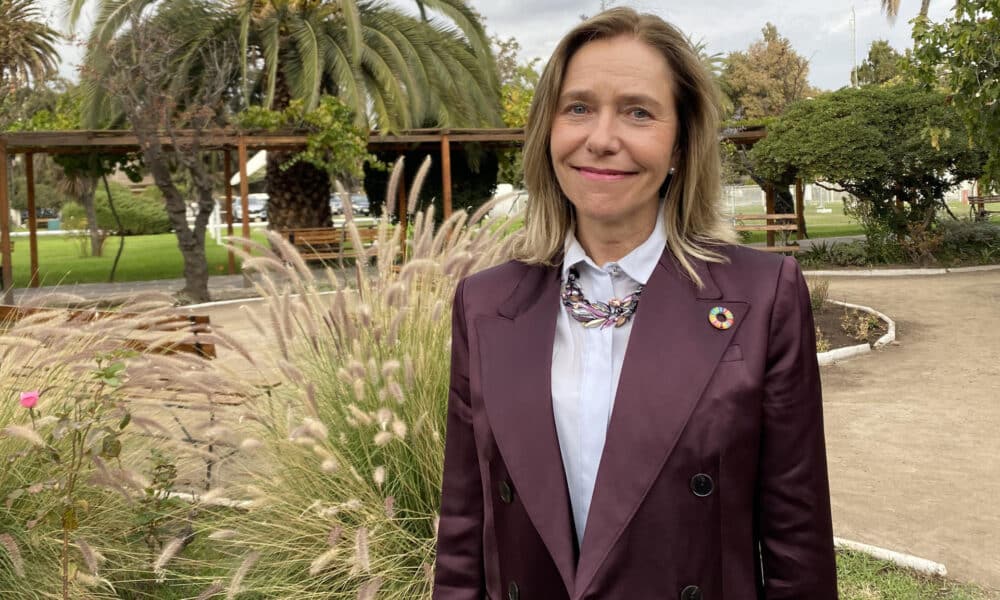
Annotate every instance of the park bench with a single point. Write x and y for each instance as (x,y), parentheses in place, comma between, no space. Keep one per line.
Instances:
(193,324)
(330,243)
(771,223)
(977,207)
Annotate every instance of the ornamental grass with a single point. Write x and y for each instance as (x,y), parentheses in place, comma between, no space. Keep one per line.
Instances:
(86,468)
(348,444)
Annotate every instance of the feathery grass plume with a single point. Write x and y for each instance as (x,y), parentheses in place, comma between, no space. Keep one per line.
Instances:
(321,561)
(223,534)
(418,184)
(13,553)
(391,189)
(24,433)
(170,549)
(90,558)
(212,590)
(370,589)
(236,583)
(362,553)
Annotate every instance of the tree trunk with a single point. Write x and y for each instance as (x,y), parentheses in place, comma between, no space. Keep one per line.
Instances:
(190,242)
(297,197)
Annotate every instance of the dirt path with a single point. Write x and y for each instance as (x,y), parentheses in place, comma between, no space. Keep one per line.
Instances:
(913,432)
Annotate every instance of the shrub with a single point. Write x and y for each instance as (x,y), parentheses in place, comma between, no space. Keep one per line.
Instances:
(970,241)
(819,290)
(76,502)
(852,254)
(144,214)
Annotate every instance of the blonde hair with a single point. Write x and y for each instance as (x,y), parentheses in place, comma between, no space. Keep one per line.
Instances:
(691,208)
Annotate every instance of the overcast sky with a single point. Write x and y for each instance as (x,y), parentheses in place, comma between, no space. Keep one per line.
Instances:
(820,30)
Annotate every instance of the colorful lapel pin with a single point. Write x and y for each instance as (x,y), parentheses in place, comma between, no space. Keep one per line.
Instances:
(721,317)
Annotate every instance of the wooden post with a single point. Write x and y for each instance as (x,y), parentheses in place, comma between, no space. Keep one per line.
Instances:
(769,200)
(227,167)
(244,200)
(403,217)
(446,174)
(29,173)
(800,209)
(7,281)
(244,190)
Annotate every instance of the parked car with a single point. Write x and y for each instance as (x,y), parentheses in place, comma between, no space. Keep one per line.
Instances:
(336,205)
(359,203)
(257,204)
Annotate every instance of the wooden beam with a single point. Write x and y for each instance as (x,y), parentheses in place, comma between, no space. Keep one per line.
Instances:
(769,200)
(227,167)
(29,174)
(7,281)
(446,174)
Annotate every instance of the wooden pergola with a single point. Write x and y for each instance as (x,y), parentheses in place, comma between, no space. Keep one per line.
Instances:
(242,142)
(225,141)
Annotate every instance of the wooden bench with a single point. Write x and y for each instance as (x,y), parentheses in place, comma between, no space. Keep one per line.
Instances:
(977,207)
(771,223)
(193,324)
(330,243)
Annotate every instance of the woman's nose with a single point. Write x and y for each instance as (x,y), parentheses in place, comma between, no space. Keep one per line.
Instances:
(603,137)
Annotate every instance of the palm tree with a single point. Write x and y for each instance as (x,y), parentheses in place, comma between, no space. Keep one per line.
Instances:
(395,70)
(891,8)
(27,45)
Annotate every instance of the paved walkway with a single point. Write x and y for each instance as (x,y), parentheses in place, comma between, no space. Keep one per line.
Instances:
(913,431)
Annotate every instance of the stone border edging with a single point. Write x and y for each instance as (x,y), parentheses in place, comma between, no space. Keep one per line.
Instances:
(898,272)
(922,565)
(839,354)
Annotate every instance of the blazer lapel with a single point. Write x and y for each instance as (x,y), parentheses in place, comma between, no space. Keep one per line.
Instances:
(516,364)
(672,352)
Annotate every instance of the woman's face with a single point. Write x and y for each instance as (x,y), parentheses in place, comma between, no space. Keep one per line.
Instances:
(613,133)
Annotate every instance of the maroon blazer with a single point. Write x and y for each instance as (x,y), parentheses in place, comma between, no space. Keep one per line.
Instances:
(713,481)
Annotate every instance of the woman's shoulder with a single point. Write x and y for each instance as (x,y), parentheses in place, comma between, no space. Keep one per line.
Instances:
(496,284)
(746,267)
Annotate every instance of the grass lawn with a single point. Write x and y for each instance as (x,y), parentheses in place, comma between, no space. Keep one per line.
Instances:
(836,223)
(861,577)
(144,258)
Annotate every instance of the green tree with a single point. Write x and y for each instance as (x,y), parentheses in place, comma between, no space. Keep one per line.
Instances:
(888,146)
(392,69)
(27,45)
(518,79)
(883,65)
(765,79)
(963,54)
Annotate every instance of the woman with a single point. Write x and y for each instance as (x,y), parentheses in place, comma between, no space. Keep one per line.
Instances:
(635,405)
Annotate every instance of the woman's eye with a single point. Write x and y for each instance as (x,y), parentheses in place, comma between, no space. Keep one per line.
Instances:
(577,109)
(640,113)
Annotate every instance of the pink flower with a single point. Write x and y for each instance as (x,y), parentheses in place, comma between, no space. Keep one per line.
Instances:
(29,399)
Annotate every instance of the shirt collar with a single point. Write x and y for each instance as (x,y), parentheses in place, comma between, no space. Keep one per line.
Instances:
(637,264)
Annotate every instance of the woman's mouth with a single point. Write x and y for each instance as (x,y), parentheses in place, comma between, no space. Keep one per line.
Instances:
(603,174)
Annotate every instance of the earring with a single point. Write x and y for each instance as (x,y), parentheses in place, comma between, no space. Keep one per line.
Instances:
(672,171)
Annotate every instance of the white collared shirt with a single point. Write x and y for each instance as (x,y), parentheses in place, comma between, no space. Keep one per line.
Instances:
(586,363)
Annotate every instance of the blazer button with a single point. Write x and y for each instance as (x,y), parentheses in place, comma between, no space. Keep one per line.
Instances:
(506,495)
(512,592)
(702,485)
(691,592)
